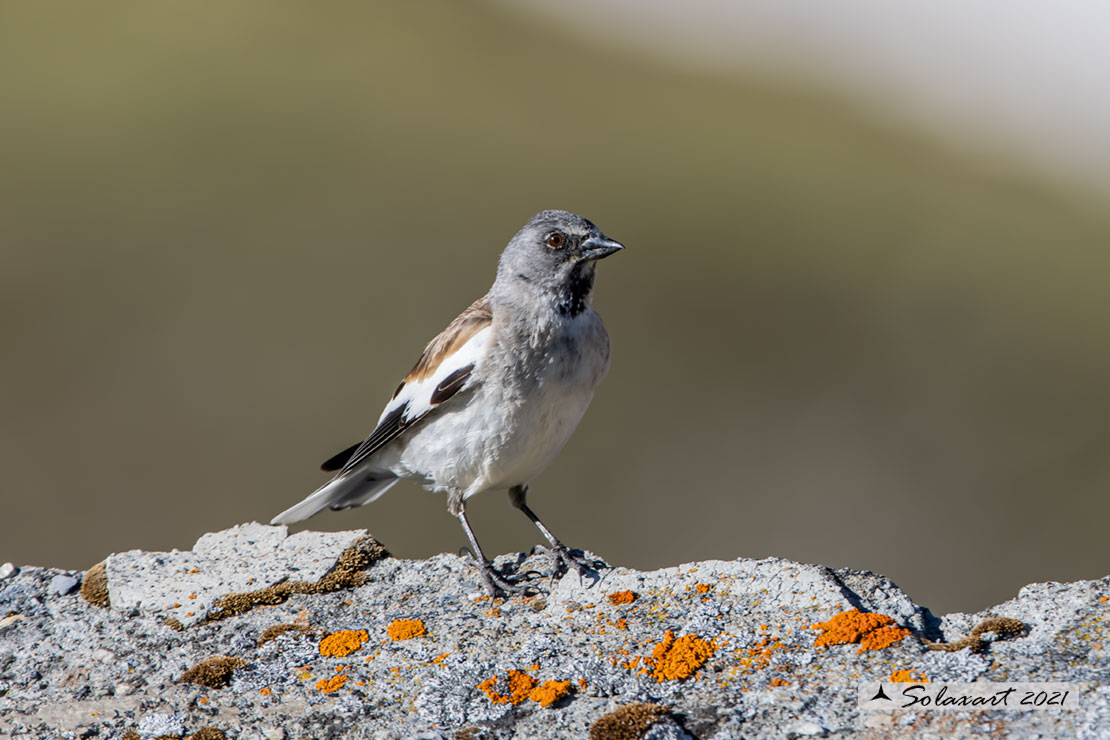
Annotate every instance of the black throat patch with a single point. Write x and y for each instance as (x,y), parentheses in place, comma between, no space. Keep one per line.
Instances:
(573,300)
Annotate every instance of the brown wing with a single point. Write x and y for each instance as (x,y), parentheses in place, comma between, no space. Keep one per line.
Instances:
(468,323)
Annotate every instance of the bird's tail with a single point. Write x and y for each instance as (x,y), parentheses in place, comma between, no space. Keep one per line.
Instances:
(341,492)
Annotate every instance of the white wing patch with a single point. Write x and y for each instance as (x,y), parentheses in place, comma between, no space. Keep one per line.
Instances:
(415,399)
(416,395)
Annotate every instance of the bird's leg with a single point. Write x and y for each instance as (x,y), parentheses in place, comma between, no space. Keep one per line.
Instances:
(558,551)
(495,583)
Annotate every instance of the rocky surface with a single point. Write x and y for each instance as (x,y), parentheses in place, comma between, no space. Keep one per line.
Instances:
(257,634)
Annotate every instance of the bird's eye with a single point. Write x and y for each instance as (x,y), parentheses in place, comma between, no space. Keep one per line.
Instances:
(555,240)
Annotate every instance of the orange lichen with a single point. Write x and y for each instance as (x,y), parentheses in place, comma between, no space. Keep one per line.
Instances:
(622,597)
(520,685)
(342,643)
(779,682)
(582,684)
(703,588)
(635,661)
(872,631)
(1104,599)
(328,685)
(265,692)
(759,654)
(494,612)
(908,677)
(621,624)
(677,659)
(881,638)
(549,692)
(406,629)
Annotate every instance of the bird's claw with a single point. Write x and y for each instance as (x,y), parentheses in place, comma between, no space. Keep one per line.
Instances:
(497,584)
(566,561)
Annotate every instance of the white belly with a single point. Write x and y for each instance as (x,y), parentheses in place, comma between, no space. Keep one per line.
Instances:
(509,429)
(542,428)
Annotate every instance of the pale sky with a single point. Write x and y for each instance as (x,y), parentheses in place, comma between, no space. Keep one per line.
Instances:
(1024,77)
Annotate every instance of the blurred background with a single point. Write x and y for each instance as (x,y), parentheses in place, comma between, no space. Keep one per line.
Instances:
(861,321)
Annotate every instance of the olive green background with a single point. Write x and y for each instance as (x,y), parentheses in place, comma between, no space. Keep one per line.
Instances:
(227,230)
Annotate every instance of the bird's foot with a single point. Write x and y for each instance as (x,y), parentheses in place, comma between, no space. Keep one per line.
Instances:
(496,583)
(567,560)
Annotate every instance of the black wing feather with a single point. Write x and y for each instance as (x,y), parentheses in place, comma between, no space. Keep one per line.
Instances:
(387,431)
(451,385)
(395,422)
(339,459)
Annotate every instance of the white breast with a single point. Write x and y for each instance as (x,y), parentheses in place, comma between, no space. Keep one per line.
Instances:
(518,418)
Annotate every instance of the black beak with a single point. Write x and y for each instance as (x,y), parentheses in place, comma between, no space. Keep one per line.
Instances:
(598,247)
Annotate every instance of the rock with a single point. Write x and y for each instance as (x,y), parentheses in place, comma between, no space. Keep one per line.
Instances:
(62,584)
(6,571)
(806,729)
(667,730)
(101,655)
(160,725)
(716,649)
(247,558)
(11,619)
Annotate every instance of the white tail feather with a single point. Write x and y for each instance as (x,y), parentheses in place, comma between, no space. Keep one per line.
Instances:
(338,493)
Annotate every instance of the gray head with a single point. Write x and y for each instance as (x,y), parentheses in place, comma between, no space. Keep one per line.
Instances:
(553,258)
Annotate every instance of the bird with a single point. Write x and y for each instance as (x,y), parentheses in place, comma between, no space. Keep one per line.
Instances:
(496,395)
